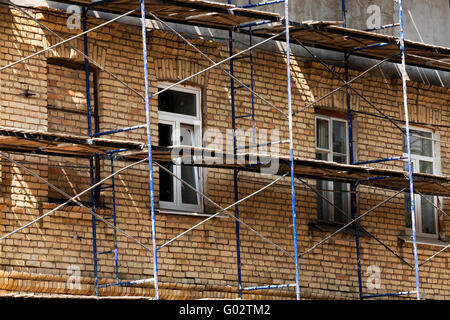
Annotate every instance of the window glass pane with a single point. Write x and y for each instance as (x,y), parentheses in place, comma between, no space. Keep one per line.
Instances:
(166,183)
(165,134)
(407,200)
(320,155)
(339,158)
(322,134)
(187,194)
(188,173)
(177,102)
(340,201)
(339,137)
(428,214)
(426,166)
(323,206)
(407,210)
(186,135)
(419,146)
(165,179)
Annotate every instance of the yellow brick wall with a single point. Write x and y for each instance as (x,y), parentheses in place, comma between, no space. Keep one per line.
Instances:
(203,263)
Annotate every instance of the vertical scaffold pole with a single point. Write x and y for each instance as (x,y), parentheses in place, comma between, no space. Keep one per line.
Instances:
(291,147)
(91,159)
(236,172)
(354,186)
(94,226)
(149,148)
(113,187)
(252,84)
(86,70)
(408,144)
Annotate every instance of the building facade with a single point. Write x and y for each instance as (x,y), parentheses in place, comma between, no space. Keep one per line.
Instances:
(54,256)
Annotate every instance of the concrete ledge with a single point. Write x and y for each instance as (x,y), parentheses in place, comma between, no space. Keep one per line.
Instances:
(424,241)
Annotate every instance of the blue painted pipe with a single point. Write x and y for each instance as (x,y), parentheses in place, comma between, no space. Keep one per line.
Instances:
(149,144)
(96,3)
(252,24)
(376,45)
(86,71)
(386,26)
(291,147)
(250,5)
(236,172)
(408,144)
(380,160)
(94,226)
(119,130)
(274,286)
(407,293)
(113,186)
(110,152)
(125,283)
(91,159)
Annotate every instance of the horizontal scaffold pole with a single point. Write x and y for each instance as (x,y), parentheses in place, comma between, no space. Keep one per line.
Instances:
(126,283)
(379,160)
(268,287)
(139,126)
(266,3)
(405,293)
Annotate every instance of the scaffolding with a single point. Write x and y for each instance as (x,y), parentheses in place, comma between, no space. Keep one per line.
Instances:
(270,27)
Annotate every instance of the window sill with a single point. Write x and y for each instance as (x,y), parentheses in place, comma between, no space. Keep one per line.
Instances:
(424,241)
(187,213)
(326,226)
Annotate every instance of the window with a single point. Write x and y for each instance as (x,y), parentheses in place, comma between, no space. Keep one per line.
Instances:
(332,145)
(423,160)
(179,124)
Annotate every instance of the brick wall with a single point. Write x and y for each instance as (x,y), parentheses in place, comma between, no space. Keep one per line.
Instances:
(202,263)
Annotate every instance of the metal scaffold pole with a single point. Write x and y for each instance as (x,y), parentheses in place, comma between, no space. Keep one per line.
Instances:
(235,171)
(353,186)
(291,148)
(149,148)
(91,159)
(408,145)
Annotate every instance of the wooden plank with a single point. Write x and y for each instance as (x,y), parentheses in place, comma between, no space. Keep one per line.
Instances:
(227,15)
(312,169)
(345,39)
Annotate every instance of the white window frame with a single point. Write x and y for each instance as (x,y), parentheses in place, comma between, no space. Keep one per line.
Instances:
(177,120)
(417,198)
(330,186)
